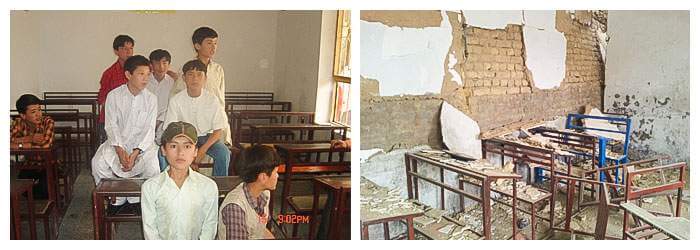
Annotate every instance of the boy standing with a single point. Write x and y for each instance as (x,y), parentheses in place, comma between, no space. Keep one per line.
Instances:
(205,41)
(244,212)
(197,106)
(113,77)
(160,84)
(130,120)
(179,203)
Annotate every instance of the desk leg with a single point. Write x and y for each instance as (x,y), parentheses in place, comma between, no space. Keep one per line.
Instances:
(288,168)
(314,211)
(365,232)
(32,221)
(97,214)
(14,203)
(386,230)
(411,232)
(486,207)
(334,221)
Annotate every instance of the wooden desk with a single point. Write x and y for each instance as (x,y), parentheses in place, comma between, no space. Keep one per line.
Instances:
(17,188)
(89,118)
(340,187)
(304,129)
(47,164)
(290,151)
(132,188)
(248,105)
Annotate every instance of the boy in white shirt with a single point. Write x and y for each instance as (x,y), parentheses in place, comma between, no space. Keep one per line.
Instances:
(130,120)
(160,84)
(179,204)
(205,41)
(197,106)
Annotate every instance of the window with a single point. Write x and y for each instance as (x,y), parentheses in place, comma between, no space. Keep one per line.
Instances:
(341,69)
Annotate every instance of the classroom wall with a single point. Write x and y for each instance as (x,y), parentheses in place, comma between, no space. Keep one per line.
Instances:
(650,81)
(298,47)
(69,50)
(479,63)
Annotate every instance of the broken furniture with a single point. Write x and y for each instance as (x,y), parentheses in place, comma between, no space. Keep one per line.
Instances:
(635,190)
(483,177)
(605,136)
(378,205)
(677,228)
(534,156)
(339,190)
(18,187)
(604,204)
(124,187)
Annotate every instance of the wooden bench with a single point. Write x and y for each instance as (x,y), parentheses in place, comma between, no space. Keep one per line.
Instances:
(677,228)
(240,122)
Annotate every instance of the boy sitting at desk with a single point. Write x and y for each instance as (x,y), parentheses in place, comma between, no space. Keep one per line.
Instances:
(31,129)
(244,212)
(130,121)
(199,107)
(179,203)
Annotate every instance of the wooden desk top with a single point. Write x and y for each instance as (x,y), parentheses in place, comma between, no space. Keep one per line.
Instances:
(296,126)
(304,148)
(461,167)
(342,182)
(132,187)
(71,101)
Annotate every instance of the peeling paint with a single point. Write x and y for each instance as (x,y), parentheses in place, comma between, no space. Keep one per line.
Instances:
(405,60)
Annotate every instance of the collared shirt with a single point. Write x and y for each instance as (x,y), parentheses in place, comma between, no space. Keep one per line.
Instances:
(203,112)
(130,120)
(112,78)
(216,82)
(21,128)
(186,213)
(234,216)
(162,91)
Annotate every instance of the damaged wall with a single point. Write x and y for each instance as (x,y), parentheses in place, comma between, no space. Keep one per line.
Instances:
(483,75)
(650,80)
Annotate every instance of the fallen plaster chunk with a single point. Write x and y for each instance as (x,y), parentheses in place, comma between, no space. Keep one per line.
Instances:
(546,56)
(367,154)
(559,123)
(602,124)
(460,133)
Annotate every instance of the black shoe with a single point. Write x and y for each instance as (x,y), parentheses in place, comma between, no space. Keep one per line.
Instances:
(114,209)
(131,209)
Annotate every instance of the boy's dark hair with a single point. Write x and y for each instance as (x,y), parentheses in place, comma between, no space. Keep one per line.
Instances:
(134,62)
(256,159)
(203,33)
(194,65)
(24,101)
(121,40)
(159,54)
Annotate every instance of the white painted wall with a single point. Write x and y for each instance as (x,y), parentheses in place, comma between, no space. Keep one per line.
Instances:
(326,85)
(405,60)
(648,62)
(297,68)
(71,49)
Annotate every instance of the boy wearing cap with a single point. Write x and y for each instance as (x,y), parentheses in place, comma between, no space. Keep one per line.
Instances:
(245,211)
(130,121)
(179,203)
(199,107)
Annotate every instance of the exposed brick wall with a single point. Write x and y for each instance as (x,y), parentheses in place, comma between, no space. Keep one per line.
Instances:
(502,91)
(497,88)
